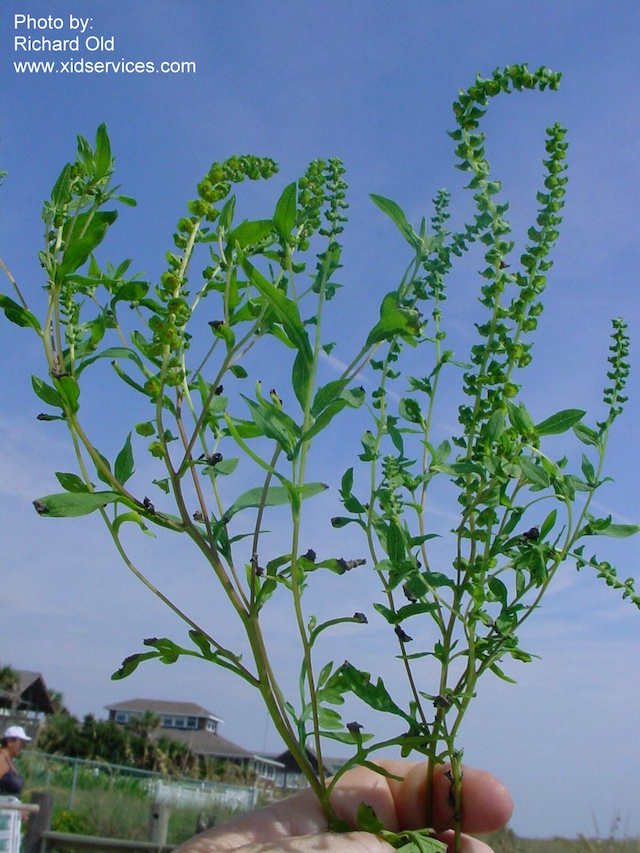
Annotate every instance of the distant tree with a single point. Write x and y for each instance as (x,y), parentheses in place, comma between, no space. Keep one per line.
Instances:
(175,758)
(57,700)
(105,740)
(61,735)
(9,679)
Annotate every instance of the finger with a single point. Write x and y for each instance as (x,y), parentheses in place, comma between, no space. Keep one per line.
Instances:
(467,843)
(486,806)
(298,815)
(486,803)
(349,842)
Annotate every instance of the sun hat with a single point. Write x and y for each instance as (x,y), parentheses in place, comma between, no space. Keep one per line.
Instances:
(16,732)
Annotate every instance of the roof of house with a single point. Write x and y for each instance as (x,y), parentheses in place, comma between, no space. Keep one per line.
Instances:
(330,765)
(163,706)
(32,692)
(207,743)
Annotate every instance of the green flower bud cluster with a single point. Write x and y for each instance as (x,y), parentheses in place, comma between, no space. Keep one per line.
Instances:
(335,195)
(610,576)
(168,324)
(501,350)
(216,184)
(311,197)
(619,372)
(525,309)
(466,108)
(438,264)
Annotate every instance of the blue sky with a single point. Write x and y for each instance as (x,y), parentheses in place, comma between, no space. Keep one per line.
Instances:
(372,83)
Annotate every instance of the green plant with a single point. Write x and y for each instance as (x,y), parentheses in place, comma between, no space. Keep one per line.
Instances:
(188,367)
(67,821)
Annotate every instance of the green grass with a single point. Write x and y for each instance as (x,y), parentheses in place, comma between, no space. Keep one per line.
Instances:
(507,841)
(109,805)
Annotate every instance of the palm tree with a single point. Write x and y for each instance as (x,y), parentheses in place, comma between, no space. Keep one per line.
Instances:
(143,727)
(10,682)
(57,700)
(9,679)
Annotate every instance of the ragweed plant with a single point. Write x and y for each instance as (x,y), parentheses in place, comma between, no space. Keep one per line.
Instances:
(183,353)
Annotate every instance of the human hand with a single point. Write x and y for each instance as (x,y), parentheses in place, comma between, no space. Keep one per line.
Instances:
(298,824)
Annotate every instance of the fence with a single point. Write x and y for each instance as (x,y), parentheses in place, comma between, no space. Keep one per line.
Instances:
(11,823)
(61,773)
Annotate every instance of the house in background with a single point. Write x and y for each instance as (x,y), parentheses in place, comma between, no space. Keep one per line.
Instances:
(196,727)
(26,702)
(290,777)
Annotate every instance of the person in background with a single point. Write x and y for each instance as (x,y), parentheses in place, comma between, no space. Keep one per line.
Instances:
(11,782)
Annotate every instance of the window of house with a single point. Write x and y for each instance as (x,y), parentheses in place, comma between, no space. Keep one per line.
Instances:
(212,726)
(192,722)
(121,717)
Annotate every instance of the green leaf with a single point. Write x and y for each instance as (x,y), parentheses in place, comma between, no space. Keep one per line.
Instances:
(123,468)
(46,393)
(73,504)
(69,390)
(326,395)
(71,482)
(81,247)
(354,397)
(286,310)
(395,543)
(415,610)
(324,419)
(367,820)
(520,418)
(548,523)
(238,371)
(586,434)
(535,474)
(397,216)
(103,152)
(284,218)
(401,321)
(386,613)
(274,423)
(131,663)
(60,192)
(414,841)
(113,353)
(375,695)
(346,484)
(498,589)
(620,531)
(495,669)
(134,517)
(560,422)
(300,378)
(409,409)
(588,470)
(130,291)
(225,467)
(494,428)
(339,521)
(276,496)
(17,314)
(248,233)
(226,214)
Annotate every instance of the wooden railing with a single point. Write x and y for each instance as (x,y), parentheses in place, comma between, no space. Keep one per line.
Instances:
(41,838)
